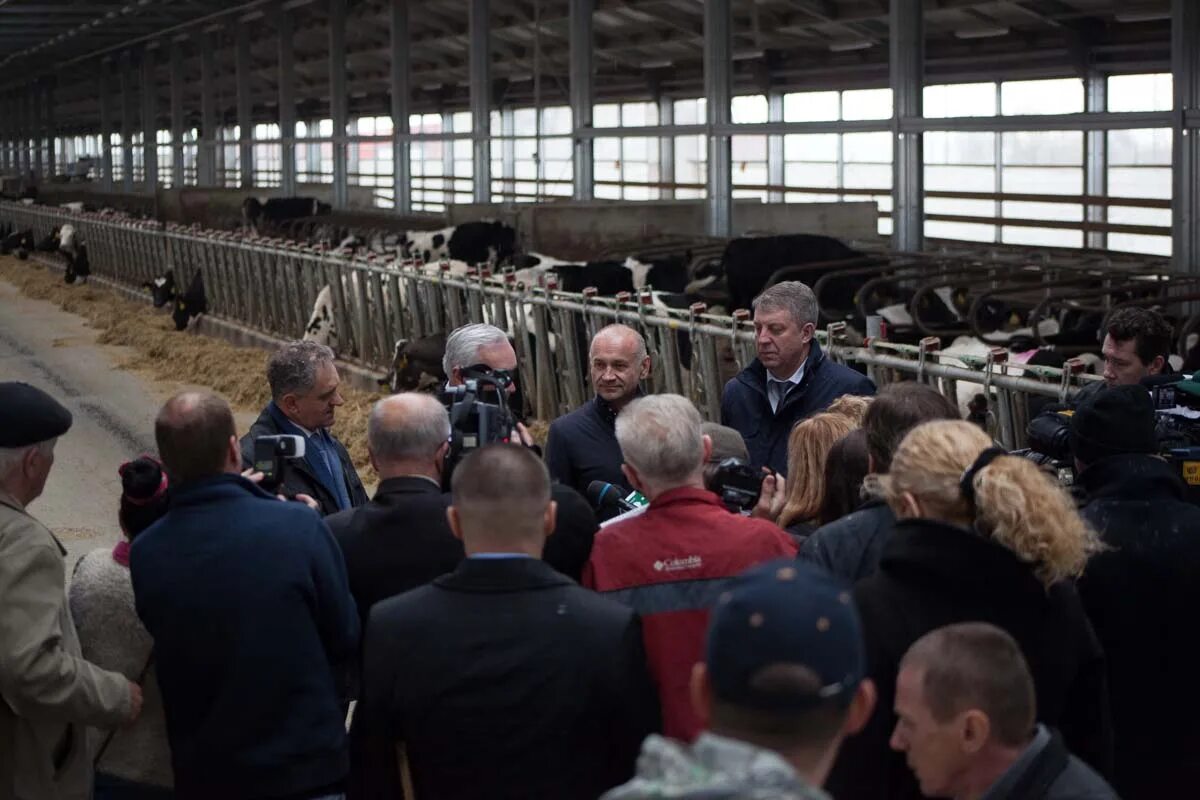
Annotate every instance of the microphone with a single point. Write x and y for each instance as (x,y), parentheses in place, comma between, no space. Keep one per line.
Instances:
(606,496)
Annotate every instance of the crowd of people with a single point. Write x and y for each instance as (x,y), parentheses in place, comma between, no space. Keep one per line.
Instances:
(906,610)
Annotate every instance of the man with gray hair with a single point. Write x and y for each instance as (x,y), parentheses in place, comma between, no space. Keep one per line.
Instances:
(791,379)
(48,693)
(582,446)
(481,349)
(304,398)
(671,563)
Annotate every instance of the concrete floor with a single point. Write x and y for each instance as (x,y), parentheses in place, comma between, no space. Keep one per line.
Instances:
(114,414)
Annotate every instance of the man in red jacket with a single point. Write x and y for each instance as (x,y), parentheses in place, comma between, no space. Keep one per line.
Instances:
(671,563)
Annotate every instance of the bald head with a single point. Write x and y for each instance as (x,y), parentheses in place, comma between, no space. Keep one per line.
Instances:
(407,432)
(196,436)
(617,363)
(502,500)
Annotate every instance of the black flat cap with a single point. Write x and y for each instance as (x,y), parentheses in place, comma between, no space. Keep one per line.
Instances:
(28,415)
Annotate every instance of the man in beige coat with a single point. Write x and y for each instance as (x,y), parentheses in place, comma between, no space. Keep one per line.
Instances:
(49,694)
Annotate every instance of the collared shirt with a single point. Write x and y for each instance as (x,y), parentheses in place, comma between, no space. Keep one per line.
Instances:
(320,454)
(1003,786)
(778,389)
(498,556)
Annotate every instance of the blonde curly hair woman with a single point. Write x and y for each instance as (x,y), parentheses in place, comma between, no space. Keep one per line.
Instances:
(981,536)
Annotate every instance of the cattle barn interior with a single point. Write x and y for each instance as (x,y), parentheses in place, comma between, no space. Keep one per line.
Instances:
(1007,170)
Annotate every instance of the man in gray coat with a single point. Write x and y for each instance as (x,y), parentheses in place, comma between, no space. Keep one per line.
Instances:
(48,693)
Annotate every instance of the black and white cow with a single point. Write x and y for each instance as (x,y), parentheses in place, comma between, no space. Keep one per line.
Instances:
(20,242)
(276,210)
(162,288)
(187,306)
(322,327)
(417,365)
(75,252)
(471,242)
(609,278)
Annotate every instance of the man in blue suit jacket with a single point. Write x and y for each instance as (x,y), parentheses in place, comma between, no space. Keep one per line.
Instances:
(247,600)
(791,379)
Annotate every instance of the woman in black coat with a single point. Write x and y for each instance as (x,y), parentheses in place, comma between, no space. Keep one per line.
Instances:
(987,537)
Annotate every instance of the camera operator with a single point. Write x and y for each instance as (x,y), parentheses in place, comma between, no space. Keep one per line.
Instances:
(304,399)
(670,562)
(1141,593)
(582,446)
(480,349)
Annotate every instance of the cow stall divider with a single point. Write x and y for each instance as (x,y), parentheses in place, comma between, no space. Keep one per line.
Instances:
(270,286)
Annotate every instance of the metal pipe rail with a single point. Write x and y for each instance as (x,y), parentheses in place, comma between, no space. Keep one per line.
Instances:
(270,285)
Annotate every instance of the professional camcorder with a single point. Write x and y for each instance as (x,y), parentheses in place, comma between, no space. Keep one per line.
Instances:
(479,411)
(271,455)
(737,484)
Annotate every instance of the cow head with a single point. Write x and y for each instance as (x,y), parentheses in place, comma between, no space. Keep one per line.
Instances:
(191,304)
(414,371)
(162,288)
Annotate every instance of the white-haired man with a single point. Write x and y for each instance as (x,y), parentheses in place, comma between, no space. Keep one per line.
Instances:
(671,563)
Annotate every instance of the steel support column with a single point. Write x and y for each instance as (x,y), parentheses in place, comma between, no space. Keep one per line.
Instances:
(1095,158)
(582,94)
(206,149)
(718,71)
(337,100)
(24,161)
(447,158)
(178,170)
(106,126)
(401,92)
(5,132)
(149,122)
(775,147)
(1185,68)
(35,131)
(907,77)
(481,98)
(508,150)
(287,100)
(244,74)
(666,147)
(51,156)
(127,114)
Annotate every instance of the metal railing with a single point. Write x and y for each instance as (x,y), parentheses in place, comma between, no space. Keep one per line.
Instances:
(270,285)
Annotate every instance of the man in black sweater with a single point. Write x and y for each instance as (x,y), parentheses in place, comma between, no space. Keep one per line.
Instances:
(504,678)
(582,446)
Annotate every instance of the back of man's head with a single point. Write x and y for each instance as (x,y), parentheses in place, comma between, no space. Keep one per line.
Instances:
(1116,420)
(501,499)
(405,429)
(193,431)
(896,410)
(976,666)
(661,438)
(785,663)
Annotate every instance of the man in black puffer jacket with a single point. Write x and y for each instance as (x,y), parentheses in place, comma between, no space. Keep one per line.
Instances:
(1142,593)
(304,398)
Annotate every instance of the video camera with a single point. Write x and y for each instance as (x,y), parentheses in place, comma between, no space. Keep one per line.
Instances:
(479,411)
(737,484)
(271,454)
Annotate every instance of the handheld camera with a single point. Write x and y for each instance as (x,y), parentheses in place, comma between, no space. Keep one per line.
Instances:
(271,454)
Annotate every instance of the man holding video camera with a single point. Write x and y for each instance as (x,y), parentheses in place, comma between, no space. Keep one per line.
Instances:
(304,399)
(671,562)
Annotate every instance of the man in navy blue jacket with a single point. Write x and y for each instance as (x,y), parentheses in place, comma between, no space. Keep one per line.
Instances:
(247,600)
(791,379)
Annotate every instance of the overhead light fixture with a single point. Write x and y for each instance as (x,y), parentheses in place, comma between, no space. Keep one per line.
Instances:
(1142,16)
(981,33)
(848,46)
(431,87)
(747,55)
(660,64)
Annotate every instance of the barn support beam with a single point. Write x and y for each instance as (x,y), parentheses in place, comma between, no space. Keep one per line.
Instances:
(508,149)
(127,114)
(775,176)
(51,144)
(106,126)
(149,122)
(5,132)
(907,42)
(337,100)
(582,95)
(206,149)
(287,99)
(23,154)
(178,170)
(1185,68)
(245,121)
(401,93)
(718,71)
(1095,171)
(35,130)
(480,69)
(666,146)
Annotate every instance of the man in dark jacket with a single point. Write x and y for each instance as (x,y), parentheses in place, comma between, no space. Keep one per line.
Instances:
(967,723)
(246,598)
(582,446)
(1142,592)
(503,678)
(304,398)
(791,379)
(401,539)
(851,546)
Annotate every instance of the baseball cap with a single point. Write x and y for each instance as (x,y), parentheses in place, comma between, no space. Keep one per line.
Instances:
(785,612)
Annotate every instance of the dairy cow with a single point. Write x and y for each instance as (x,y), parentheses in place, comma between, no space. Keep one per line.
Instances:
(276,210)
